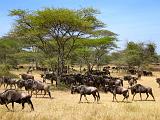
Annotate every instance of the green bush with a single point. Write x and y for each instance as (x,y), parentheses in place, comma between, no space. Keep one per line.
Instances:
(4,71)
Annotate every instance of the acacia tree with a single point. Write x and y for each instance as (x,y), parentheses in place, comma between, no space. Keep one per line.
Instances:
(8,47)
(138,54)
(55,31)
(92,51)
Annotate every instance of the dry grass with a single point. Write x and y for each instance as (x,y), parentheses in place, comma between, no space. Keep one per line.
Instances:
(65,106)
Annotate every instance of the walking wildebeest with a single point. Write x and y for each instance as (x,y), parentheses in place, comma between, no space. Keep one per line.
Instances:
(117,90)
(85,90)
(39,86)
(138,88)
(11,96)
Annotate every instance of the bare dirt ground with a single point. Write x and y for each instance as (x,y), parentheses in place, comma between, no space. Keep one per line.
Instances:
(65,106)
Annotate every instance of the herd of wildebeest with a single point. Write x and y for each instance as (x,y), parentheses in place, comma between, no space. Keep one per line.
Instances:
(89,83)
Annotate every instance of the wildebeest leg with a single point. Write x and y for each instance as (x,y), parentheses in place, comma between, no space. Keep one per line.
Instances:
(98,96)
(124,95)
(23,105)
(49,93)
(30,103)
(31,92)
(152,95)
(7,107)
(44,93)
(85,98)
(13,106)
(94,97)
(133,96)
(140,95)
(6,85)
(80,98)
(147,95)
(36,93)
(115,97)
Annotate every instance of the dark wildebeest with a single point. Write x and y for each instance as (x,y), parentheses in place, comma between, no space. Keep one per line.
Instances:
(85,90)
(147,73)
(133,81)
(20,83)
(11,82)
(117,90)
(11,96)
(50,76)
(127,77)
(138,88)
(158,81)
(26,76)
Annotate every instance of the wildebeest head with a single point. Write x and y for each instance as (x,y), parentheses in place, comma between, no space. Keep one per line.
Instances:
(74,89)
(133,89)
(107,88)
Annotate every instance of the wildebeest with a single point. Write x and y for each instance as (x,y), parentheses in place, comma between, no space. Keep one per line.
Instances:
(39,86)
(138,88)
(85,90)
(147,73)
(20,83)
(11,96)
(112,81)
(158,81)
(128,77)
(117,90)
(50,76)
(132,82)
(11,82)
(26,76)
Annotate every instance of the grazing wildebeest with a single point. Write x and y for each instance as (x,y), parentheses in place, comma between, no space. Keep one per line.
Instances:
(138,88)
(85,90)
(26,76)
(117,90)
(11,96)
(158,81)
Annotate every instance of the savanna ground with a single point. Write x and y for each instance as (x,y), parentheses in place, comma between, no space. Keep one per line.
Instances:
(65,106)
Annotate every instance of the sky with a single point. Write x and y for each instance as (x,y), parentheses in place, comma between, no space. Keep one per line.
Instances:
(132,20)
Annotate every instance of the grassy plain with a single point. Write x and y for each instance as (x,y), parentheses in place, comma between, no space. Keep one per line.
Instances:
(65,106)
